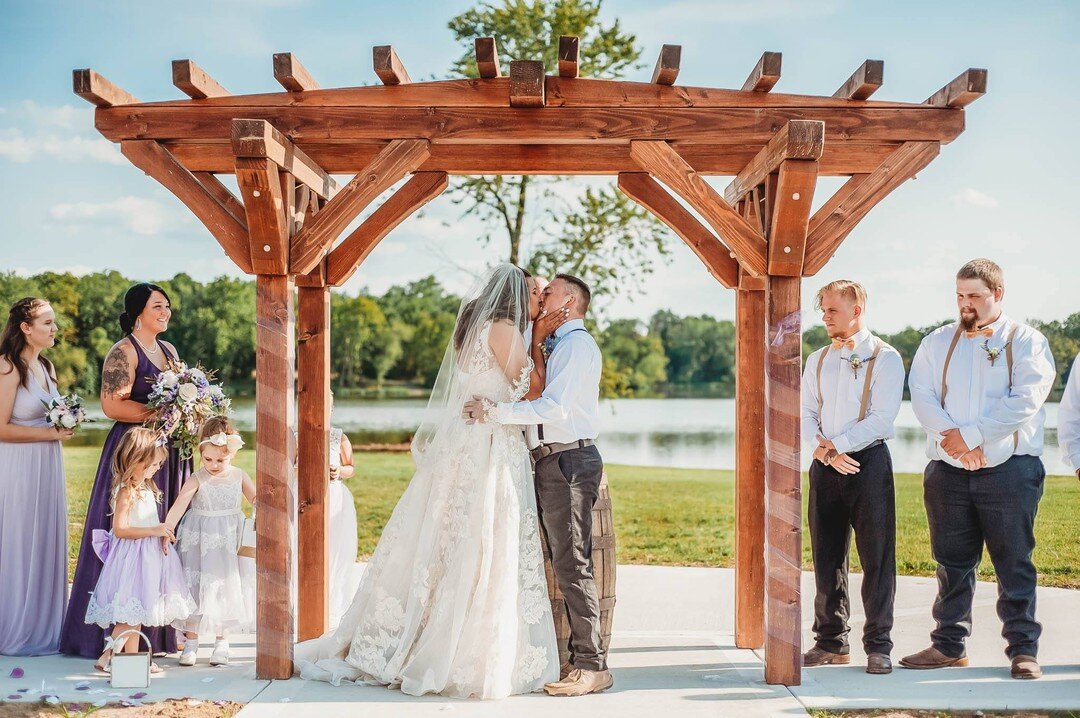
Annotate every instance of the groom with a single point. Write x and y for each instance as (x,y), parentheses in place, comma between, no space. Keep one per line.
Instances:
(562,428)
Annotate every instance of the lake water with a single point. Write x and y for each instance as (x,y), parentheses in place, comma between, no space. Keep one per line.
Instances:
(685,433)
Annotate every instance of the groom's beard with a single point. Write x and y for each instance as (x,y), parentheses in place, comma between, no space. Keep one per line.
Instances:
(969,320)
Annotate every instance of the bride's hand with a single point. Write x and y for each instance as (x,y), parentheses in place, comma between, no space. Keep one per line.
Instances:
(475,411)
(549,321)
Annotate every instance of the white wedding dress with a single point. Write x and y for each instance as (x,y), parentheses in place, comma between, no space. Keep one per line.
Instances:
(454,600)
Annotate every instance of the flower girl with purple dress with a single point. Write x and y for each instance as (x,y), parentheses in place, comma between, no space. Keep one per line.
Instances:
(141,581)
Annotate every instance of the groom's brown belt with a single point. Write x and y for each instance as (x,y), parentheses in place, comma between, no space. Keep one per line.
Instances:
(555,447)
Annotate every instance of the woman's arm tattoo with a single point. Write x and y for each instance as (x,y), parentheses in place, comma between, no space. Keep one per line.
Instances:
(115,378)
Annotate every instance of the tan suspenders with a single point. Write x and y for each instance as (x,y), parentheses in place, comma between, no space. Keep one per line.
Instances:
(1008,362)
(864,403)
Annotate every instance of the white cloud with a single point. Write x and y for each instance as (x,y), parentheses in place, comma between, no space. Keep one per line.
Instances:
(692,12)
(18,147)
(66,117)
(142,216)
(975,198)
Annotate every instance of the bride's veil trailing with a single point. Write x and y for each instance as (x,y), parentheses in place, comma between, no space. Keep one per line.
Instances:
(499,295)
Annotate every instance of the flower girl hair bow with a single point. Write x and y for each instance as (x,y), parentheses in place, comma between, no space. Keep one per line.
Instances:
(232,441)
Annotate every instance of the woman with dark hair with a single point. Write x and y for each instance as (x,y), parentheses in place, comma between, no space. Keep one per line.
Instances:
(131,367)
(33,505)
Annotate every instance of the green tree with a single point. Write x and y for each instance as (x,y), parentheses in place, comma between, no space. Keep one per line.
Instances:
(634,361)
(430,312)
(355,324)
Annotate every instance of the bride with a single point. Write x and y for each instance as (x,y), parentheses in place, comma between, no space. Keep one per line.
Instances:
(454,599)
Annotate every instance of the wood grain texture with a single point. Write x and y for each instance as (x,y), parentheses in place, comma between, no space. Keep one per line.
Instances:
(864,82)
(526,83)
(795,186)
(666,70)
(222,194)
(797,139)
(969,86)
(258,138)
(292,75)
(264,204)
(97,90)
(765,74)
(487,58)
(569,56)
(647,192)
(388,66)
(194,82)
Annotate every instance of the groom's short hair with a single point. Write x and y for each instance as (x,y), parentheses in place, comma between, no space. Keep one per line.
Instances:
(581,289)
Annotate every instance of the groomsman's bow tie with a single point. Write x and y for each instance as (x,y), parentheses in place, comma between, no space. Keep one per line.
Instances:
(984,332)
(843,343)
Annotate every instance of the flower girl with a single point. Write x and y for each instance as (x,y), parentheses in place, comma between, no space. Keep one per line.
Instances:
(141,582)
(222,582)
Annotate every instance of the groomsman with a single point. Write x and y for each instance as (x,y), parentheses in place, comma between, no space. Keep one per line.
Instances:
(851,394)
(978,387)
(1069,419)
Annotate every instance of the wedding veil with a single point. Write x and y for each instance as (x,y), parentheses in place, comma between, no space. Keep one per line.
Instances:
(499,295)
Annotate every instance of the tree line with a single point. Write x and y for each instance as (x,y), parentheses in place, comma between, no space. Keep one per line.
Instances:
(393,344)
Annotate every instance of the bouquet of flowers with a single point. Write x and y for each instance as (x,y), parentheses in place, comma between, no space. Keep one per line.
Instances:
(66,412)
(183,398)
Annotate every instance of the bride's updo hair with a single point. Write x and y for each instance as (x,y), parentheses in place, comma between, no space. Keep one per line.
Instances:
(135,301)
(502,298)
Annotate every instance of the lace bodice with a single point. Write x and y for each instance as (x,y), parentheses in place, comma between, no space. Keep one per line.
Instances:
(483,376)
(218,494)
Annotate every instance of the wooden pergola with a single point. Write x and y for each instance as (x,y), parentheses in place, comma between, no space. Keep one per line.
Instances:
(759,239)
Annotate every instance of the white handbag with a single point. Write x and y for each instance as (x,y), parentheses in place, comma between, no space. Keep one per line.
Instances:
(130,670)
(246,548)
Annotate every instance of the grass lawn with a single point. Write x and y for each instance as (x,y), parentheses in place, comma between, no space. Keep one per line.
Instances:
(679,517)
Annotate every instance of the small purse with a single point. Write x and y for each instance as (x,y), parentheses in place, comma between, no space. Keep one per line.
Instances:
(130,670)
(246,548)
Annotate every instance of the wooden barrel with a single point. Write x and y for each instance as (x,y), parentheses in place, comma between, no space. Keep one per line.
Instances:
(603,560)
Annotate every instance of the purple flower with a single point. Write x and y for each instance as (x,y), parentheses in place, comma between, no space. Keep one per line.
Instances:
(14,697)
(17,672)
(138,696)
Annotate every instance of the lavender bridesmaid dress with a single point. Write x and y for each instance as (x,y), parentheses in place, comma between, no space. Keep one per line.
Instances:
(33,533)
(79,638)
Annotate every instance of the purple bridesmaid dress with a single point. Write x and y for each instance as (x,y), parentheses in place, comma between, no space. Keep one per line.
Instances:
(78,638)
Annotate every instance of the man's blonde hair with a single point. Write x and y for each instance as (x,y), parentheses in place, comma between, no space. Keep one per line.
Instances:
(989,272)
(845,288)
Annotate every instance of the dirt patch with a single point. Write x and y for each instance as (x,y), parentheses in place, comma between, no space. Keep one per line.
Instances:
(181,708)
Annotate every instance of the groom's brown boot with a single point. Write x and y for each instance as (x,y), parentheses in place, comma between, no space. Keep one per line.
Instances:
(581,682)
(565,670)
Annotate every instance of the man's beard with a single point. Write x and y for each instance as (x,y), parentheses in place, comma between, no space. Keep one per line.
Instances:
(969,321)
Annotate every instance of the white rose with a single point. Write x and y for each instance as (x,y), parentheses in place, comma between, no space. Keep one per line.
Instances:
(188,392)
(216,392)
(54,416)
(68,421)
(168,379)
(196,374)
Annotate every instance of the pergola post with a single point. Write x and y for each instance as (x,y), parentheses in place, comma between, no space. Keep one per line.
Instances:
(749,463)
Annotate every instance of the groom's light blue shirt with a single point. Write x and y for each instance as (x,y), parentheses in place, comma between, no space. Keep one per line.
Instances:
(569,408)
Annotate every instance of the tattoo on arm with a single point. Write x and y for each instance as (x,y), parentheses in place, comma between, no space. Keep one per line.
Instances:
(115,377)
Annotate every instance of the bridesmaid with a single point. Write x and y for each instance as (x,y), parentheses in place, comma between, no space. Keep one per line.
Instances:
(128,374)
(33,503)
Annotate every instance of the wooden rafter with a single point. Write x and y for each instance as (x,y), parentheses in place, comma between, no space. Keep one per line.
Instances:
(796,140)
(487,58)
(969,86)
(264,203)
(526,83)
(647,192)
(663,162)
(258,138)
(293,76)
(223,195)
(795,184)
(396,160)
(414,194)
(765,74)
(158,162)
(194,82)
(569,56)
(94,88)
(667,65)
(388,66)
(863,82)
(837,217)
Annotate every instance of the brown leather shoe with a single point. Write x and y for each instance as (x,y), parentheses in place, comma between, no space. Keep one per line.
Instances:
(564,671)
(820,657)
(929,658)
(878,664)
(581,682)
(1025,667)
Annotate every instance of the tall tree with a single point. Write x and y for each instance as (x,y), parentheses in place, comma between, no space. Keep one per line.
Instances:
(621,241)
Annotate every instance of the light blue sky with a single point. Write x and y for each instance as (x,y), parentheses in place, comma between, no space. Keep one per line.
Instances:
(1005,189)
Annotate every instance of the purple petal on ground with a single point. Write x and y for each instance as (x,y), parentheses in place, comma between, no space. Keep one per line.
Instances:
(82,688)
(137,696)
(14,697)
(17,672)
(23,690)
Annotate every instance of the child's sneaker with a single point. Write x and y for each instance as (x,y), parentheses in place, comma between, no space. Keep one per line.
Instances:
(190,652)
(220,656)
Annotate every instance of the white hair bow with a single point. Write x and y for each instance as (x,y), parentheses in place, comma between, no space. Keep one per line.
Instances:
(232,441)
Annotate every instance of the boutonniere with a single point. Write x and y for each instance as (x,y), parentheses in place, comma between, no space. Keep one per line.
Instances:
(992,353)
(857,362)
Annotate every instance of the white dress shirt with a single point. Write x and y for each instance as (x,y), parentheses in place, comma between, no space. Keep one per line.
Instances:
(978,401)
(1069,417)
(842,390)
(569,408)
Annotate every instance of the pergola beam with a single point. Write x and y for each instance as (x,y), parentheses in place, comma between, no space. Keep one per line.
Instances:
(837,217)
(158,162)
(527,83)
(648,193)
(258,138)
(264,203)
(659,159)
(292,75)
(795,186)
(796,140)
(765,74)
(343,260)
(97,90)
(863,82)
(388,66)
(223,195)
(487,58)
(969,86)
(194,82)
(667,65)
(569,56)
(396,160)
